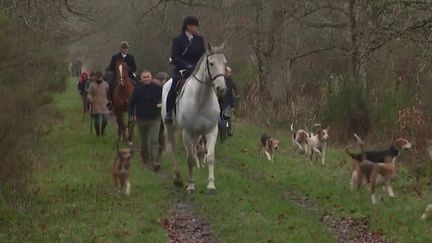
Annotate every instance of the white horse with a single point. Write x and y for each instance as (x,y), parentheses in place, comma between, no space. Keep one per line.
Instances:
(197,113)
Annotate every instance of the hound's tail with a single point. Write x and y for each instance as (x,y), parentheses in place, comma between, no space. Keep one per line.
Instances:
(360,142)
(292,130)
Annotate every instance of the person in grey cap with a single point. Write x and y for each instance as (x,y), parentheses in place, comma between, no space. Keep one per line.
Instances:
(128,59)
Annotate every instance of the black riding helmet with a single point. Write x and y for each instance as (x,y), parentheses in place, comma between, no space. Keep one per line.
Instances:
(190,20)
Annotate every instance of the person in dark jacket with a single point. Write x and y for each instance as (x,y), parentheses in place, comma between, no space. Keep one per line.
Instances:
(186,50)
(128,59)
(82,84)
(144,107)
(226,103)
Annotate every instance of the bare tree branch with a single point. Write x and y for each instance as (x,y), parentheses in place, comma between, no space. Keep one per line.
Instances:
(68,8)
(311,52)
(141,18)
(427,23)
(326,25)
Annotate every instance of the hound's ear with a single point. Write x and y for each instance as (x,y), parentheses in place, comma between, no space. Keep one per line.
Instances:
(209,47)
(358,139)
(316,128)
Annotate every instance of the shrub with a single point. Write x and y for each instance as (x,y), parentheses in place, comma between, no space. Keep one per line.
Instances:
(31,72)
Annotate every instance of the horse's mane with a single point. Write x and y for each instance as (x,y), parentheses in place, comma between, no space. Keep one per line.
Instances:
(200,62)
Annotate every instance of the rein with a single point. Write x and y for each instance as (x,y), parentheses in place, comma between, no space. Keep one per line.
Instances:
(212,79)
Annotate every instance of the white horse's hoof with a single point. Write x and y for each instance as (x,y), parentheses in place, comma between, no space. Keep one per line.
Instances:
(190,189)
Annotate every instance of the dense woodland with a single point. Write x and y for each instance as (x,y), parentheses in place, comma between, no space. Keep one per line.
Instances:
(356,66)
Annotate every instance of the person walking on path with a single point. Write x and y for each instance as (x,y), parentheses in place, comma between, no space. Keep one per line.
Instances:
(97,96)
(145,109)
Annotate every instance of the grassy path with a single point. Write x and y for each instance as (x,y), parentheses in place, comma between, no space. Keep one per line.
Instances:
(256,201)
(326,189)
(76,201)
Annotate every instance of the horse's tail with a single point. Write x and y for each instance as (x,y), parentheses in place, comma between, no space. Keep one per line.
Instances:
(165,90)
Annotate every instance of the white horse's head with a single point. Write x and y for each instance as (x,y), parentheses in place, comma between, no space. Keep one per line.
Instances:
(216,68)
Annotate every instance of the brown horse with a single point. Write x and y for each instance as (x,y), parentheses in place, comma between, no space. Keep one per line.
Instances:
(121,96)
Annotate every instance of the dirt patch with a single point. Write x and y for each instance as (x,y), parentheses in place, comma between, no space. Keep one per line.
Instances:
(185,226)
(350,230)
(353,230)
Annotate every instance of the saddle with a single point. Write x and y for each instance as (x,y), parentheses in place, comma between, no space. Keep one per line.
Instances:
(185,73)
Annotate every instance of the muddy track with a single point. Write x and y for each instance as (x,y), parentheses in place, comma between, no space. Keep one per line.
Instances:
(343,229)
(352,230)
(184,225)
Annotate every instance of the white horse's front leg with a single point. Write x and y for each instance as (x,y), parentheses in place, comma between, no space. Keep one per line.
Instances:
(171,135)
(211,144)
(190,143)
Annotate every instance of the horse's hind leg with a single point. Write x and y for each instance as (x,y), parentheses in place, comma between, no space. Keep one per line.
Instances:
(118,123)
(190,143)
(131,130)
(171,135)
(211,143)
(120,126)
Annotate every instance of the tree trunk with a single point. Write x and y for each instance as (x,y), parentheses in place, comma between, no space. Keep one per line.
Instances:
(360,41)
(288,77)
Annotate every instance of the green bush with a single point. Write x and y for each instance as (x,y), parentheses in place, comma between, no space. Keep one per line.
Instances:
(31,73)
(345,105)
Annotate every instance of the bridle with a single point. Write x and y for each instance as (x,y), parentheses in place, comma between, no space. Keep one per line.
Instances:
(212,79)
